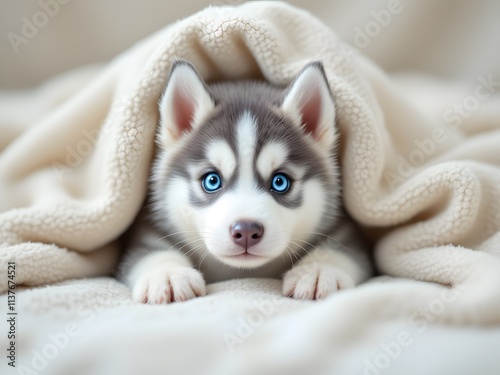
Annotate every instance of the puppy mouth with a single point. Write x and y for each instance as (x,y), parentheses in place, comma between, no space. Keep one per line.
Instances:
(245,254)
(245,260)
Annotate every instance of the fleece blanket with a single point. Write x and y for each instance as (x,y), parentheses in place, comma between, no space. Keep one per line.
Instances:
(421,175)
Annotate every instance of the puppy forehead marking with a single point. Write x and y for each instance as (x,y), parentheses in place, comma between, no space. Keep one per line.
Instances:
(221,156)
(246,138)
(271,157)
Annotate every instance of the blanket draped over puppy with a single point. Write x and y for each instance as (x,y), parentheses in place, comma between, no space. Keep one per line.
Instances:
(422,180)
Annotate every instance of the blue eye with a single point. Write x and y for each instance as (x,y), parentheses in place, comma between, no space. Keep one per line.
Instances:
(280,183)
(211,182)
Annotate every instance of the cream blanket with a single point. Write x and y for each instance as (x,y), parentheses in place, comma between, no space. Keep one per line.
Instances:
(419,173)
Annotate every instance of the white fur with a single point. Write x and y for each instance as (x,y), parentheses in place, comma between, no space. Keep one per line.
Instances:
(246,140)
(165,276)
(177,201)
(322,272)
(271,157)
(220,155)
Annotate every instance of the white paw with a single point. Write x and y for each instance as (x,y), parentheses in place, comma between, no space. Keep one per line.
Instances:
(315,281)
(168,284)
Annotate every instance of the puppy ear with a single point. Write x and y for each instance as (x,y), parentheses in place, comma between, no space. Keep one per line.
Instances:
(309,102)
(183,104)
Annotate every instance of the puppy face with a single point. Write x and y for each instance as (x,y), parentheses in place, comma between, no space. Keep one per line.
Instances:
(246,171)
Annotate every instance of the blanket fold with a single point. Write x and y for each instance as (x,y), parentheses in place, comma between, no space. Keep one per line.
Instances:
(74,178)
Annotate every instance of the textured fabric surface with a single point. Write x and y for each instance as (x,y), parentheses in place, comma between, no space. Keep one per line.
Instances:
(423,179)
(242,327)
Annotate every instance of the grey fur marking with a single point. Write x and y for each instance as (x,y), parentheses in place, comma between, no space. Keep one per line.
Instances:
(262,101)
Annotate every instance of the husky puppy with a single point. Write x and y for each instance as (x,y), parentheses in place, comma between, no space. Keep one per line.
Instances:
(245,184)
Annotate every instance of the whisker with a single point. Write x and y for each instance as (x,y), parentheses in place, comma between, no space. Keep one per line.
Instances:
(297,256)
(185,232)
(191,252)
(290,253)
(191,242)
(175,234)
(174,246)
(299,245)
(328,237)
(202,259)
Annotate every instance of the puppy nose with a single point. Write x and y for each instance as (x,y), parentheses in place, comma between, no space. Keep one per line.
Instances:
(247,233)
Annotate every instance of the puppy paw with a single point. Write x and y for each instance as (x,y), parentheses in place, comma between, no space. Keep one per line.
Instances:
(169,284)
(315,281)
